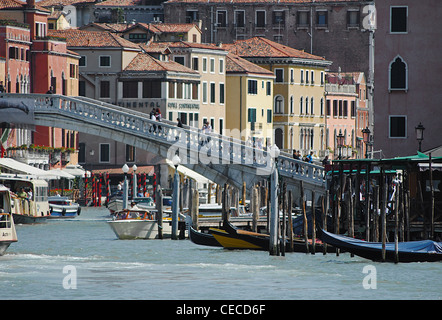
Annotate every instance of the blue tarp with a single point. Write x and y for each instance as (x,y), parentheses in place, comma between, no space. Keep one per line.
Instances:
(423,246)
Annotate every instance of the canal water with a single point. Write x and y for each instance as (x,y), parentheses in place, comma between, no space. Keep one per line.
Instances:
(81,258)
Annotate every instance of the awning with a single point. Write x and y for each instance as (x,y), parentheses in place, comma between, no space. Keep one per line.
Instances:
(426,166)
(76,170)
(14,166)
(62,173)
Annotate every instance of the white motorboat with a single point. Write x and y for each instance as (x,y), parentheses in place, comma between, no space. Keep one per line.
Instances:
(63,207)
(131,224)
(8,234)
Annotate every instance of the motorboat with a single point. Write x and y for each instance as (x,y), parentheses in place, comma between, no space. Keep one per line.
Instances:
(63,207)
(131,224)
(29,197)
(8,234)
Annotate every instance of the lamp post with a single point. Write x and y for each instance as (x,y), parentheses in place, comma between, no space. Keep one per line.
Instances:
(340,142)
(175,197)
(366,137)
(125,186)
(274,211)
(420,134)
(134,182)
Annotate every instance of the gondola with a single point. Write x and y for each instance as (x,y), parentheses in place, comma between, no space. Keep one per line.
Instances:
(411,251)
(239,241)
(234,238)
(201,238)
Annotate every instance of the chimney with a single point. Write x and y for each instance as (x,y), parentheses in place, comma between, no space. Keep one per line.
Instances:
(30,3)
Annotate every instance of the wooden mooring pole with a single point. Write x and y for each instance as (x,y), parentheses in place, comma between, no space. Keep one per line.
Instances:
(289,210)
(304,213)
(274,213)
(159,207)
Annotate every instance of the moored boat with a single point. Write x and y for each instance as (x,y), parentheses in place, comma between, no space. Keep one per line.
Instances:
(29,198)
(63,207)
(410,251)
(201,238)
(8,234)
(138,224)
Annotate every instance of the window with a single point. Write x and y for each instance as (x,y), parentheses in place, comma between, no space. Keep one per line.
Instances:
(353,109)
(301,105)
(104,89)
(252,87)
(171,89)
(292,75)
(251,115)
(398,19)
(212,65)
(335,108)
(321,107)
(312,106)
(260,19)
(221,93)
(180,60)
(312,77)
(279,73)
(279,106)
(105,61)
(221,126)
(204,64)
(212,92)
(302,76)
(81,152)
(104,152)
(278,18)
(398,74)
(151,89)
(130,153)
(195,87)
(268,88)
(130,89)
(327,108)
(221,18)
(221,66)
(82,88)
(353,19)
(82,62)
(138,37)
(291,105)
(204,92)
(195,63)
(269,116)
(321,19)
(191,16)
(345,108)
(239,19)
(398,127)
(303,19)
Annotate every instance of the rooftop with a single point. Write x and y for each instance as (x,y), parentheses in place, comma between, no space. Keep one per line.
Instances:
(104,39)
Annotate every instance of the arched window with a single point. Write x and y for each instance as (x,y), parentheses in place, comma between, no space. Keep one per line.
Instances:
(398,74)
(279,104)
(291,105)
(301,111)
(279,134)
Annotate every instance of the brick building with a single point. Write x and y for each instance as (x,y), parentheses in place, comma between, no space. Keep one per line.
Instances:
(331,29)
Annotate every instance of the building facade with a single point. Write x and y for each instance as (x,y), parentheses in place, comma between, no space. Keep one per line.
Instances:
(334,29)
(249,102)
(407,69)
(298,92)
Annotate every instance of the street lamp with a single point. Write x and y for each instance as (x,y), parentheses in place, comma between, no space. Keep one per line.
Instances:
(340,142)
(420,134)
(125,186)
(134,182)
(366,138)
(175,197)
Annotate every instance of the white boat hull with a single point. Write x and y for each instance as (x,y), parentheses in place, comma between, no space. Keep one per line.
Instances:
(139,229)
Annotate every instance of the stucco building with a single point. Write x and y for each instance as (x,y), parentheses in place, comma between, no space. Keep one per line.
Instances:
(407,72)
(298,92)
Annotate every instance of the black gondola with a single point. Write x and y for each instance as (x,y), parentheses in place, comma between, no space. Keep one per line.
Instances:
(201,238)
(410,251)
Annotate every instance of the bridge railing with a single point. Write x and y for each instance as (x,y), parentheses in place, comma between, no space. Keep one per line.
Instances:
(214,148)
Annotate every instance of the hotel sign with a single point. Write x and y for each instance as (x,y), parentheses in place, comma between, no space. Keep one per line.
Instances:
(175,105)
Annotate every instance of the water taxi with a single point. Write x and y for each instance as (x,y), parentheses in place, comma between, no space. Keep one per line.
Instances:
(8,234)
(63,207)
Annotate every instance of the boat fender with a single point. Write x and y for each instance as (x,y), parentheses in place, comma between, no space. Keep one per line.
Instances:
(63,212)
(78,211)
